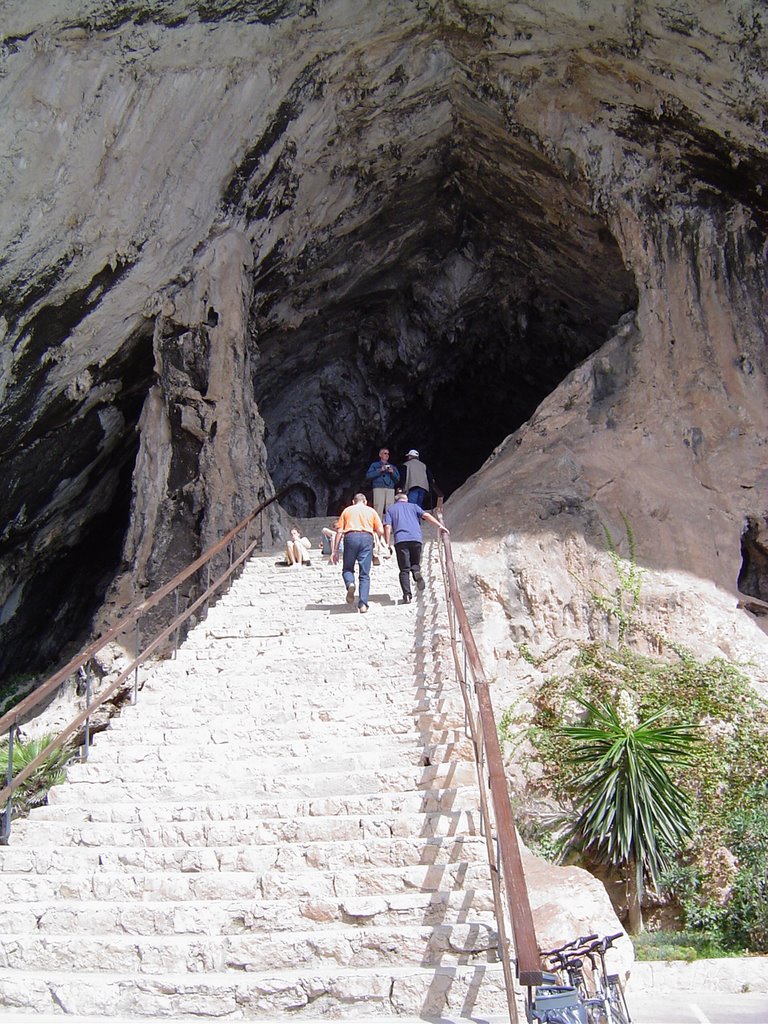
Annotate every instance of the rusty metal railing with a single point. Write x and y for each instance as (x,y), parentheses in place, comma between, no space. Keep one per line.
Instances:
(507,876)
(10,721)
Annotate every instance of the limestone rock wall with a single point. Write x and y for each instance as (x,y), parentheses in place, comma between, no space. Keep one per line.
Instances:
(666,427)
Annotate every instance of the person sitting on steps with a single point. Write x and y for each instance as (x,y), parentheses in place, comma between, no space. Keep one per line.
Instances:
(297,549)
(328,533)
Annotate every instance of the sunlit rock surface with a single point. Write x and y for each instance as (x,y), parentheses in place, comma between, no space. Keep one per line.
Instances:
(246,243)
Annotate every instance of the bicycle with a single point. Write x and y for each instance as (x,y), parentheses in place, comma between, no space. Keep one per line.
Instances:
(567,961)
(574,1002)
(608,987)
(553,1002)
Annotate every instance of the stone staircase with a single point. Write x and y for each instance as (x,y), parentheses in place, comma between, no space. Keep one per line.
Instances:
(284,825)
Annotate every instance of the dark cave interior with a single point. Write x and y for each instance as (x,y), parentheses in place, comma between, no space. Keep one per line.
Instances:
(455,308)
(753,578)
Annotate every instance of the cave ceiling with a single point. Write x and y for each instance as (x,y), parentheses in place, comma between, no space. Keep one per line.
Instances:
(461,279)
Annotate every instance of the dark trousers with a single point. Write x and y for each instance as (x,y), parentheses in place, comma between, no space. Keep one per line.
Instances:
(408,561)
(417,496)
(358,548)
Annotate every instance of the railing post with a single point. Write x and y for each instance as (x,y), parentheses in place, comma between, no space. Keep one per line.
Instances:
(5,829)
(87,723)
(176,634)
(136,670)
(207,586)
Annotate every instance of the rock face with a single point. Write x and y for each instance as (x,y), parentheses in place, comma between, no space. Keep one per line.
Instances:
(245,242)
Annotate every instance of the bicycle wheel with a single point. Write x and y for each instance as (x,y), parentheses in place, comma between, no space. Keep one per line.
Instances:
(595,1008)
(619,1009)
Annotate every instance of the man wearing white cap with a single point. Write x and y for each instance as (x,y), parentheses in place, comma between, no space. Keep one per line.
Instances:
(417,481)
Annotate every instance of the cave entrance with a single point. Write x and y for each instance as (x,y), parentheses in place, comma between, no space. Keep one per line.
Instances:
(440,323)
(753,577)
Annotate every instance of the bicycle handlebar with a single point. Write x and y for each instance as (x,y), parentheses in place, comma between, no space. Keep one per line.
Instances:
(604,944)
(585,946)
(574,944)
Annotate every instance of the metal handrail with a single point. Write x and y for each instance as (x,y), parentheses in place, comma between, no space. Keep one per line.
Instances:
(9,722)
(505,860)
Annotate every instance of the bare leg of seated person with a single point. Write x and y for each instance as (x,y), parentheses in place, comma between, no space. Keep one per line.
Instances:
(297,549)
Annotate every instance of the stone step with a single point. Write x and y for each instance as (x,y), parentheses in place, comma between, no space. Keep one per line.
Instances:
(416,884)
(272,691)
(449,799)
(323,992)
(157,730)
(473,941)
(115,746)
(271,624)
(233,917)
(334,706)
(132,730)
(263,854)
(236,831)
(247,783)
(329,633)
(277,691)
(341,855)
(231,761)
(207,650)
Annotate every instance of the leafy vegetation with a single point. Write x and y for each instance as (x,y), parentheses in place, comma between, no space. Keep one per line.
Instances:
(632,814)
(623,602)
(714,874)
(685,945)
(12,689)
(50,772)
(720,880)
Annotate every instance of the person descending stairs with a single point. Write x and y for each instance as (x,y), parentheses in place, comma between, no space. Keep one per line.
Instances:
(285,824)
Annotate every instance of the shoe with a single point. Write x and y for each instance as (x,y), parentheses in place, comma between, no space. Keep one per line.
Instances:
(407,598)
(376,560)
(419,581)
(362,608)
(350,593)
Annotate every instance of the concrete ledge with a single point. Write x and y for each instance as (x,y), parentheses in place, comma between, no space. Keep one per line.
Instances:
(736,974)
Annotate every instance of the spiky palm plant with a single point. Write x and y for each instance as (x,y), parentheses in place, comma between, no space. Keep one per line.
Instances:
(632,815)
(49,773)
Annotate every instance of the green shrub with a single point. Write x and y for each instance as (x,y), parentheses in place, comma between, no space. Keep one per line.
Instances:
(50,772)
(745,921)
(687,945)
(723,779)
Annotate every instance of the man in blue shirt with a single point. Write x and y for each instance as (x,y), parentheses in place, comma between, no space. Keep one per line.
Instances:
(403,520)
(383,478)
